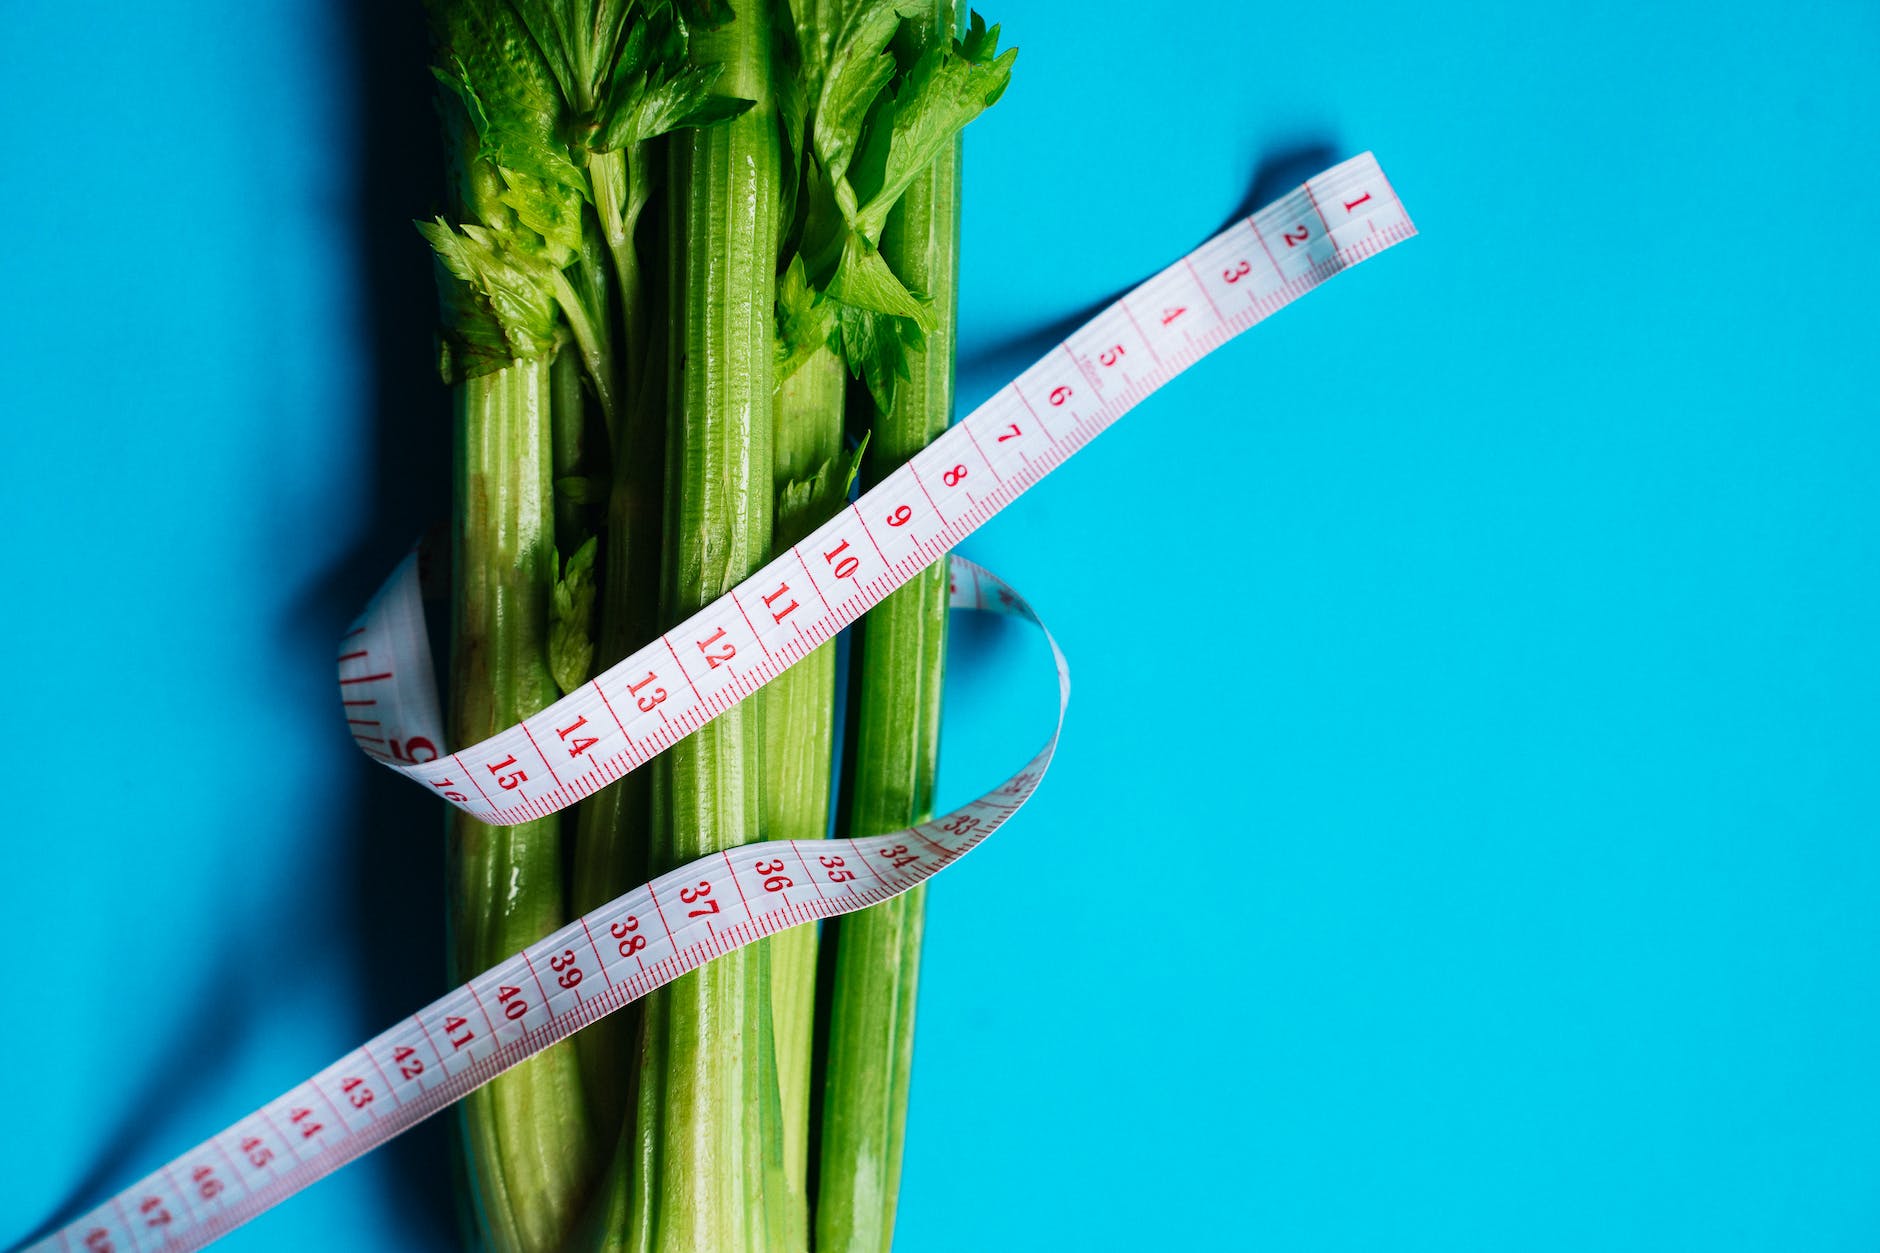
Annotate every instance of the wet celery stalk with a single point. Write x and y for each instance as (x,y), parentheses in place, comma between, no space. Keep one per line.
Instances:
(526,1135)
(519,288)
(799,739)
(526,1131)
(899,661)
(706,1115)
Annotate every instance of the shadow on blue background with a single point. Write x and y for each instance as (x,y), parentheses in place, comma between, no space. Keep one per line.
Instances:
(395,827)
(392,828)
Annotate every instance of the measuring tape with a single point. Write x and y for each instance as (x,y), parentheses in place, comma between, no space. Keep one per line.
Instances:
(673,686)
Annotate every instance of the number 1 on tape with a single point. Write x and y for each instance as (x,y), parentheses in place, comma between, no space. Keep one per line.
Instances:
(689,675)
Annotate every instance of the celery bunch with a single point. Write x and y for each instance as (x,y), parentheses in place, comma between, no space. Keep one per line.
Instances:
(676,233)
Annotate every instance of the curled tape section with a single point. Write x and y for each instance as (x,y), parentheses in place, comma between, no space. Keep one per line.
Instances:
(604,960)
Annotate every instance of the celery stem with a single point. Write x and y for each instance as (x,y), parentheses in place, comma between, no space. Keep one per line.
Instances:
(622,182)
(708,1147)
(527,1130)
(901,652)
(592,340)
(799,746)
(610,848)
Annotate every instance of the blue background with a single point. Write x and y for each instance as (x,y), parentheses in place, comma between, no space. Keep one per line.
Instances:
(1518,892)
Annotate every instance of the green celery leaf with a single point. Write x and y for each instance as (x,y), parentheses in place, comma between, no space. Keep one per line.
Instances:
(578,42)
(981,43)
(805,320)
(456,80)
(800,506)
(547,23)
(809,29)
(874,124)
(514,148)
(805,504)
(864,281)
(876,346)
(851,465)
(515,287)
(493,65)
(571,633)
(653,90)
(814,29)
(871,160)
(947,88)
(651,40)
(490,63)
(679,103)
(859,66)
(472,341)
(552,210)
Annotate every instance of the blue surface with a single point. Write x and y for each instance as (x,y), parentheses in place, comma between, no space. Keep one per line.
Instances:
(1540,911)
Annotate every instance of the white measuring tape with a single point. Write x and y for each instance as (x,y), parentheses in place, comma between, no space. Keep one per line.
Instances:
(686,677)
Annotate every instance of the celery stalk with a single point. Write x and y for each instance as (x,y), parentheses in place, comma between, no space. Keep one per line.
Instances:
(799,739)
(610,847)
(527,1130)
(706,1125)
(525,1135)
(900,655)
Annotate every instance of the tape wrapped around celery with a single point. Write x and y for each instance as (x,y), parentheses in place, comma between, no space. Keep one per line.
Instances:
(427,1061)
(548,114)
